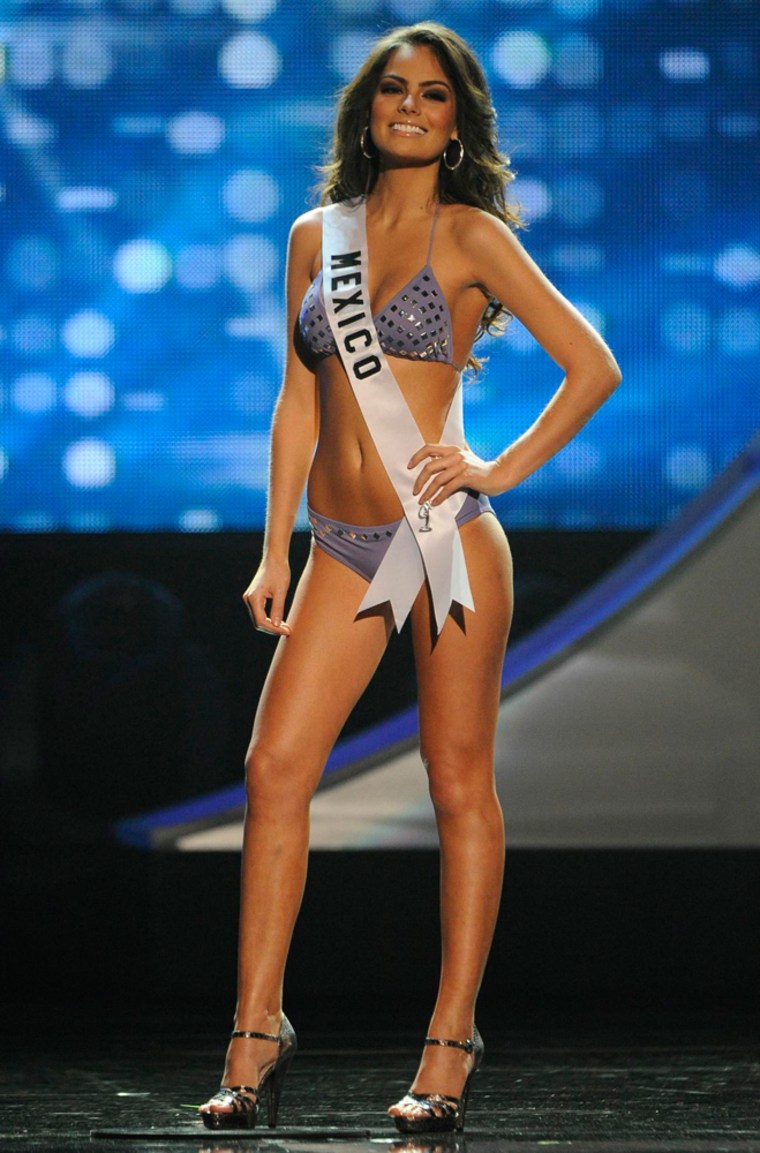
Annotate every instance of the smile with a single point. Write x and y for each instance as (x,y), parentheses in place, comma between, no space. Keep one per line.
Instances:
(408,129)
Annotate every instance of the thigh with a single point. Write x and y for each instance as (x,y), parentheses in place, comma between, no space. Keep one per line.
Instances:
(320,670)
(459,672)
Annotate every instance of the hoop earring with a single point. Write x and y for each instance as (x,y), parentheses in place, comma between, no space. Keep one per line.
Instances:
(363,144)
(460,158)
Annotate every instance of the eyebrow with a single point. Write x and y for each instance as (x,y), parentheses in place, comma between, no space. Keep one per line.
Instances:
(424,84)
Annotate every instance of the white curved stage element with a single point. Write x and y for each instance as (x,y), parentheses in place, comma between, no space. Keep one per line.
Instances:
(645,733)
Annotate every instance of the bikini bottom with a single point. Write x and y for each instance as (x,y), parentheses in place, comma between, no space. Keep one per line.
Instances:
(362,547)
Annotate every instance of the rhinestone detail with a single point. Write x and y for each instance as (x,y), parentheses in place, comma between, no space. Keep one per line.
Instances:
(415,324)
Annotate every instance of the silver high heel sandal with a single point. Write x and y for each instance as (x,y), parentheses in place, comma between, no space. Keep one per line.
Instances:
(440,1112)
(241,1103)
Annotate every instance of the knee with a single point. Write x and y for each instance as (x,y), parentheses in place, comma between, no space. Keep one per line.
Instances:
(272,785)
(460,781)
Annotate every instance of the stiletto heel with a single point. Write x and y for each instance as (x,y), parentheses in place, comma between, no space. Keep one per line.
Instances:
(241,1103)
(273,1085)
(441,1113)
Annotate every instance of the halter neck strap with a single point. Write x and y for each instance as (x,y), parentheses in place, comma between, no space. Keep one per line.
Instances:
(432,232)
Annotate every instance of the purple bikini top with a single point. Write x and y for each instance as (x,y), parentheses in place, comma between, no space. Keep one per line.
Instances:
(415,324)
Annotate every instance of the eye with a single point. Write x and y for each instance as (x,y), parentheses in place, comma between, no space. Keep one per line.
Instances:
(388,86)
(439,94)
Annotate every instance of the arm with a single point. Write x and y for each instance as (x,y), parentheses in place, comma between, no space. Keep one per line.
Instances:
(591,372)
(295,426)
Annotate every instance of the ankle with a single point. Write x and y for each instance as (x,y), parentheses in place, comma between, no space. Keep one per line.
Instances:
(452,1026)
(258,1020)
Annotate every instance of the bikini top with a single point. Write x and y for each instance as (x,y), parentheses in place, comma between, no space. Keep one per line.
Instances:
(415,324)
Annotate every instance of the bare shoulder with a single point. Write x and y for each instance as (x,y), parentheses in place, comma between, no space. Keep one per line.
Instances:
(476,239)
(473,229)
(305,237)
(307,225)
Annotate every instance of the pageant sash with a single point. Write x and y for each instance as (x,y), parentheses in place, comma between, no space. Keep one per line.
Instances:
(427,544)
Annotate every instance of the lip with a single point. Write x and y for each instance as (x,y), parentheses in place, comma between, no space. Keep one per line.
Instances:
(407,129)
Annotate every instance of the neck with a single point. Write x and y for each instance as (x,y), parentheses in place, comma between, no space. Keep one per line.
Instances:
(404,193)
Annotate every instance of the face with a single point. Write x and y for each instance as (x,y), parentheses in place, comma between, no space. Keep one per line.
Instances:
(413,114)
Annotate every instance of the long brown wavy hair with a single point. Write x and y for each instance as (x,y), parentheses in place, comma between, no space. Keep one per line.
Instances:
(484,174)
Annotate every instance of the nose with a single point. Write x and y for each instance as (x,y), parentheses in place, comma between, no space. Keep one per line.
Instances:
(409,103)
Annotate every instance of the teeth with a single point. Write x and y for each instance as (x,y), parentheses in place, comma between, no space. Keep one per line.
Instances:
(407,128)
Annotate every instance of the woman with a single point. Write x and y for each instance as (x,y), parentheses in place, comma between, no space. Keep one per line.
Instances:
(410,257)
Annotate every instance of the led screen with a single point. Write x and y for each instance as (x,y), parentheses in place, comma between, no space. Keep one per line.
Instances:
(154,155)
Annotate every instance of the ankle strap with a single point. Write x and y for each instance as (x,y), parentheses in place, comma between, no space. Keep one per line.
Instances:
(257,1036)
(468,1045)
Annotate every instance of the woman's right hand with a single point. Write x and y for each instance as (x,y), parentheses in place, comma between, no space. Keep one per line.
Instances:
(270,584)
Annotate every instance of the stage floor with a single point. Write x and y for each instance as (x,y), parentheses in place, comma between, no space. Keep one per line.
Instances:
(111,1088)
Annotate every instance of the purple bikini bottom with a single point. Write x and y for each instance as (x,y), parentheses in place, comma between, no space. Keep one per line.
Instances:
(362,547)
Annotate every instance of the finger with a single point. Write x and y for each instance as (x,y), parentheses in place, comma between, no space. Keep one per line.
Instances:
(420,455)
(256,605)
(444,493)
(426,451)
(280,630)
(441,488)
(277,611)
(432,491)
(262,621)
(452,474)
(431,470)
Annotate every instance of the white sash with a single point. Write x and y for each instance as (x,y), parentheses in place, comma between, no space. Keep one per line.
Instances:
(427,543)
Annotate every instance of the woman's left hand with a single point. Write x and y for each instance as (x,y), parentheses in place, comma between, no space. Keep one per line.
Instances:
(449,468)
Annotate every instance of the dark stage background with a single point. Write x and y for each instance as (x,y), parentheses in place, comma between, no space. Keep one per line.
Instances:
(94,930)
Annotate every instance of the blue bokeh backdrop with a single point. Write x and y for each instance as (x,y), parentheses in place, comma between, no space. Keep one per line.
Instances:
(154,155)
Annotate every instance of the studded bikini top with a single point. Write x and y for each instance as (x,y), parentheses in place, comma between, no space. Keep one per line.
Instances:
(415,324)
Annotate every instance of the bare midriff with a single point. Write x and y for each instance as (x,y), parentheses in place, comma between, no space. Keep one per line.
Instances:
(347,478)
